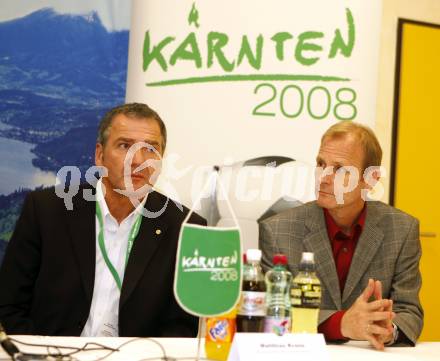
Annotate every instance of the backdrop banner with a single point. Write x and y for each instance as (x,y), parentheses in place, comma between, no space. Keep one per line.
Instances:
(234,80)
(63,64)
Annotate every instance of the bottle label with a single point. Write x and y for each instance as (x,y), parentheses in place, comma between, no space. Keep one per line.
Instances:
(220,329)
(277,325)
(305,295)
(252,303)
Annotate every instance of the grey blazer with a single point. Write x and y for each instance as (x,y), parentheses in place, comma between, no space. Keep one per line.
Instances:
(388,250)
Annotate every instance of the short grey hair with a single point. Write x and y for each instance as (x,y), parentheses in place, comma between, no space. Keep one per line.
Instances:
(131,110)
(363,134)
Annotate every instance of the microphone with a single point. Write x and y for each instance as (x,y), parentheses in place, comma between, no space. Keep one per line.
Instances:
(7,344)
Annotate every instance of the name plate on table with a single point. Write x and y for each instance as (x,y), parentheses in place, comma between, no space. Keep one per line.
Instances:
(269,346)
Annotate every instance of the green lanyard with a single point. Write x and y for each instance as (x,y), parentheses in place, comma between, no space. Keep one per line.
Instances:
(131,236)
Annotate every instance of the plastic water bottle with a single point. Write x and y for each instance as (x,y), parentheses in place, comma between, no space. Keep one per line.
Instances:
(219,334)
(305,296)
(252,310)
(278,281)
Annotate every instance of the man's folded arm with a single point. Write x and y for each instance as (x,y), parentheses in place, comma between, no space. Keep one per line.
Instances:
(405,289)
(330,325)
(19,271)
(178,323)
(267,244)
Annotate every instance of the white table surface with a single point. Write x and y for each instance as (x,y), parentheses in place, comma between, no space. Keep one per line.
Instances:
(187,348)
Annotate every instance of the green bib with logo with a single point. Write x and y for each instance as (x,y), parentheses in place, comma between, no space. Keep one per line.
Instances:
(208,270)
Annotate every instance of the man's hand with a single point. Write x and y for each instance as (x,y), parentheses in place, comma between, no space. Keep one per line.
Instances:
(388,324)
(368,320)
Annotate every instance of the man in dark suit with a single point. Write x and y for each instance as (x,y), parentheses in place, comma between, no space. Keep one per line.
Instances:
(100,269)
(366,253)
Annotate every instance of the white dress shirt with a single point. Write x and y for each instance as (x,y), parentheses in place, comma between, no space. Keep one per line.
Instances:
(104,310)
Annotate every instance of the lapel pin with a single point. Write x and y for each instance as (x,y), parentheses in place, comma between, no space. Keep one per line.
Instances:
(158,231)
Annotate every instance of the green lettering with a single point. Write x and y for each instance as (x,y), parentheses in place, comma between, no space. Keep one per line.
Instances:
(279,39)
(253,59)
(193,17)
(338,42)
(192,54)
(303,45)
(156,53)
(216,41)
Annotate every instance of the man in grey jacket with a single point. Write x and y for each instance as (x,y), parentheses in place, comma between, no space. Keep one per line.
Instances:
(366,252)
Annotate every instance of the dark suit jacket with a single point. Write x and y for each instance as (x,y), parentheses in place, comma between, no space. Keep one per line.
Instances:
(388,250)
(47,275)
